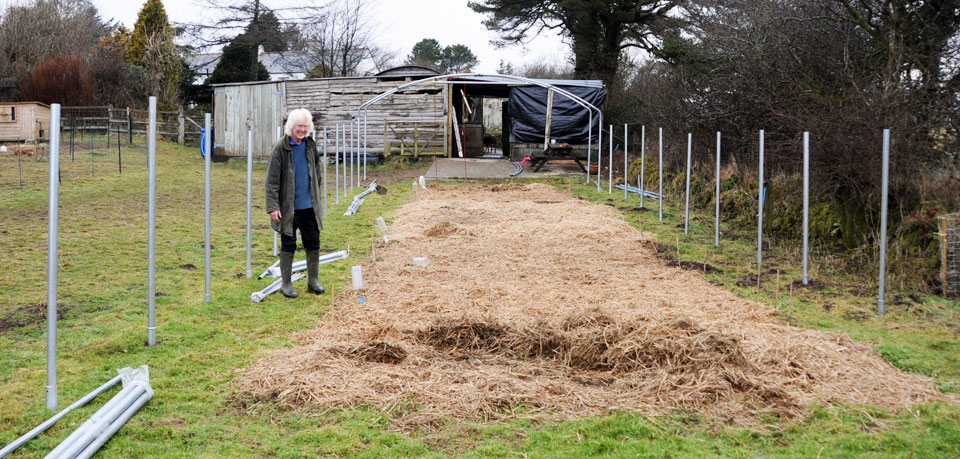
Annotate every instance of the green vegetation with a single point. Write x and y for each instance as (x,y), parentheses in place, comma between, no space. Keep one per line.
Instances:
(197,410)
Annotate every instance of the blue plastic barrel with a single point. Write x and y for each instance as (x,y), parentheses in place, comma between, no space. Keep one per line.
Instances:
(203,142)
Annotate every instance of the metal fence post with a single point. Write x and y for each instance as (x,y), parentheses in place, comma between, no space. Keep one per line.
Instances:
(686,211)
(760,203)
(716,232)
(207,296)
(660,176)
(52,257)
(643,157)
(249,203)
(152,218)
(881,302)
(806,208)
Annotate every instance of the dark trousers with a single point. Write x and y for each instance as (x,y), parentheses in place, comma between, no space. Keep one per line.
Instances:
(304,220)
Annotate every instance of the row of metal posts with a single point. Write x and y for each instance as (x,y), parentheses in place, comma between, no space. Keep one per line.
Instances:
(53,221)
(351,146)
(761,197)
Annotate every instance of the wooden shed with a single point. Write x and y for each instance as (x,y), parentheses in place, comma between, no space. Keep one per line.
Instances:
(442,116)
(24,121)
(409,122)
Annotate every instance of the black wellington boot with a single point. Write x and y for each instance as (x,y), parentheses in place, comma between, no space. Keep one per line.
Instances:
(286,272)
(313,268)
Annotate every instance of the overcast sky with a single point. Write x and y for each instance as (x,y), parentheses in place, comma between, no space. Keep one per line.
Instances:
(402,23)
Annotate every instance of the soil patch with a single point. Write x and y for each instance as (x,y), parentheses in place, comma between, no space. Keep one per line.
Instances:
(536,299)
(28,315)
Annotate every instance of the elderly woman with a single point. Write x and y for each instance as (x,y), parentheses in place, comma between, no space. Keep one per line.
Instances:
(294,200)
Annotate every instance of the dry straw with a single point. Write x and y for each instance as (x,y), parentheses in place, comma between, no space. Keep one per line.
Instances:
(537,300)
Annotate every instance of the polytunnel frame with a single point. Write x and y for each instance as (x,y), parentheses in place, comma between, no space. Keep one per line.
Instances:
(445,79)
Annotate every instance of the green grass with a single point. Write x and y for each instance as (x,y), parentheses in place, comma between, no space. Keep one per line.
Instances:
(198,411)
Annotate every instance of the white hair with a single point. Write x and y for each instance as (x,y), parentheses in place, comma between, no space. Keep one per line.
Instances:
(296,116)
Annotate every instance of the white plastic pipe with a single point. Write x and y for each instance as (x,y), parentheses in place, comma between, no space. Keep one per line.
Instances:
(53,420)
(93,433)
(358,199)
(274,271)
(257,297)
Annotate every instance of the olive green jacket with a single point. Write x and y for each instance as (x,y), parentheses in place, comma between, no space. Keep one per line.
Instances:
(280,187)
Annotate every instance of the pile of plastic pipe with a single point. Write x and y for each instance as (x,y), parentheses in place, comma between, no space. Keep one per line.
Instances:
(92,434)
(257,297)
(358,199)
(274,271)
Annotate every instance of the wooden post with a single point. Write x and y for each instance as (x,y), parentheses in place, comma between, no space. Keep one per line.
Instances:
(129,127)
(180,125)
(416,141)
(448,122)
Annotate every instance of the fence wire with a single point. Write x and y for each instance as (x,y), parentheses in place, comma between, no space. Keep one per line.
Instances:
(950,254)
(94,142)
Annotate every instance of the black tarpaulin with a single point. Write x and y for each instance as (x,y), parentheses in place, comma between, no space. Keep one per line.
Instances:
(570,120)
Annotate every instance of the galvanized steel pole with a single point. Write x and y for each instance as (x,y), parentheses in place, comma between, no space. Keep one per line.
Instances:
(806,207)
(610,164)
(643,156)
(350,150)
(626,176)
(686,212)
(336,163)
(365,121)
(249,203)
(660,176)
(53,221)
(589,143)
(599,157)
(207,295)
(716,232)
(881,301)
(152,221)
(760,204)
(325,200)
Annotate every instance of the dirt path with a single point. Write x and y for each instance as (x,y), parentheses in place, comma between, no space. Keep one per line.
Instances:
(535,298)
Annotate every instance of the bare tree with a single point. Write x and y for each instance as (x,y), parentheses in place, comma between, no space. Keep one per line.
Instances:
(339,42)
(46,28)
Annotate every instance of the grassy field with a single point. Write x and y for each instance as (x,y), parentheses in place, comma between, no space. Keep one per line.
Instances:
(197,411)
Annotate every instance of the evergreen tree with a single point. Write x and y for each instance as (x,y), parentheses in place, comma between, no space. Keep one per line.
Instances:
(151,21)
(234,64)
(426,52)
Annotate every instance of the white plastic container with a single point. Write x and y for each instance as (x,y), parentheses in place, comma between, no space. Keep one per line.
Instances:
(414,186)
(356,277)
(423,183)
(421,261)
(381,224)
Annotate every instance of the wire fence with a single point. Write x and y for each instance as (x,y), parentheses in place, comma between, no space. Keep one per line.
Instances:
(94,142)
(950,254)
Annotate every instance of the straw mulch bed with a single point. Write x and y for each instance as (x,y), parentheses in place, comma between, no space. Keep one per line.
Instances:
(533,298)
